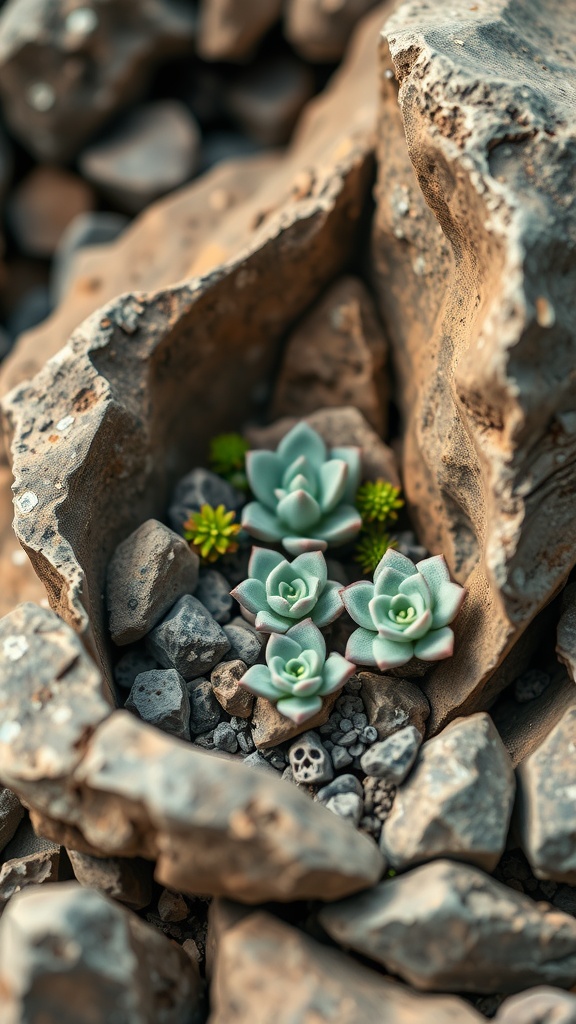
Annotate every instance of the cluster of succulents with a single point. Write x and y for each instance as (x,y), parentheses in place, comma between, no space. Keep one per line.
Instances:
(211,532)
(227,458)
(378,502)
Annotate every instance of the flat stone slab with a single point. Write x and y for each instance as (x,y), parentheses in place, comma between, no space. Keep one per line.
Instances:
(450,927)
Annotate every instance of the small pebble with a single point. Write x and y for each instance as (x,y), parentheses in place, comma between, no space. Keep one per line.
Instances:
(340,757)
(341,784)
(245,644)
(392,759)
(346,805)
(225,738)
(172,906)
(213,590)
(205,711)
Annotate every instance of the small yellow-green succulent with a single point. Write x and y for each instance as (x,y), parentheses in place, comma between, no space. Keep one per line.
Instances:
(211,532)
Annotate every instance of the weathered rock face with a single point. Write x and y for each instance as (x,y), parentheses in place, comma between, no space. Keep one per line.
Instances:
(547,789)
(18,873)
(474,246)
(265,970)
(542,1005)
(139,388)
(393,704)
(70,954)
(456,802)
(452,928)
(11,814)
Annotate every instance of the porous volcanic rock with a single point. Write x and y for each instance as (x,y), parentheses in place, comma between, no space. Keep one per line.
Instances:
(265,970)
(139,388)
(71,954)
(452,928)
(475,259)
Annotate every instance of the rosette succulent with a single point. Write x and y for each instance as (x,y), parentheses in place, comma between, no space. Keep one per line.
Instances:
(211,532)
(405,612)
(278,593)
(304,493)
(297,673)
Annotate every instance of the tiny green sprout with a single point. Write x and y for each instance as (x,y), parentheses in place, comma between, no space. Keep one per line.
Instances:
(391,873)
(371,547)
(378,501)
(228,457)
(211,531)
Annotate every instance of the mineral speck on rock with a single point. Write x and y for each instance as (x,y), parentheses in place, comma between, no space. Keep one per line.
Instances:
(161,699)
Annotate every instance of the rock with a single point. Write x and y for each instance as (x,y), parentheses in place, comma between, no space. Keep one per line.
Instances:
(393,704)
(44,204)
(149,571)
(393,758)
(62,75)
(225,738)
(309,760)
(543,1005)
(566,631)
(547,786)
(153,149)
(27,843)
(524,727)
(457,801)
(131,665)
(230,29)
(466,356)
(128,880)
(161,699)
(341,757)
(336,356)
(269,727)
(378,797)
(530,685)
(245,644)
(233,698)
(257,761)
(213,590)
(349,806)
(87,229)
(337,426)
(19,873)
(320,31)
(205,711)
(11,814)
(449,926)
(188,639)
(172,906)
(265,970)
(197,488)
(68,953)
(338,786)
(266,98)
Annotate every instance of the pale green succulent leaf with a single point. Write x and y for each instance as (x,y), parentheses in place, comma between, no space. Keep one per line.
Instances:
(303,545)
(283,647)
(259,681)
(416,588)
(311,565)
(299,511)
(299,709)
(339,526)
(337,671)
(356,599)
(251,594)
(264,471)
(261,523)
(447,604)
(436,645)
(262,562)
(333,475)
(308,637)
(395,560)
(268,621)
(390,654)
(359,647)
(328,606)
(352,456)
(302,440)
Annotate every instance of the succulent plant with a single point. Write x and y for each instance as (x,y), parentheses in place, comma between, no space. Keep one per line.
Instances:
(371,546)
(297,673)
(304,493)
(404,613)
(227,458)
(211,532)
(277,593)
(378,501)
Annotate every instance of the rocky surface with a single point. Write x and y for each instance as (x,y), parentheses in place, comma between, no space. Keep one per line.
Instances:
(319,30)
(68,953)
(450,927)
(233,698)
(265,970)
(547,790)
(472,200)
(393,704)
(11,814)
(128,880)
(188,639)
(392,759)
(161,698)
(542,1005)
(457,801)
(18,873)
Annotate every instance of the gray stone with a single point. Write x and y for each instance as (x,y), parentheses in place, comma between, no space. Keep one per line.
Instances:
(266,98)
(349,806)
(392,704)
(236,700)
(70,954)
(127,879)
(188,639)
(11,814)
(172,906)
(309,760)
(225,738)
(547,791)
(393,758)
(530,685)
(131,665)
(205,711)
(213,590)
(20,872)
(86,230)
(245,643)
(147,574)
(543,1005)
(450,927)
(458,800)
(340,757)
(161,699)
(153,149)
(257,761)
(197,488)
(339,785)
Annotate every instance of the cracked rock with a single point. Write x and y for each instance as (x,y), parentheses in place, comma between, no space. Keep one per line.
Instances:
(18,873)
(161,699)
(188,639)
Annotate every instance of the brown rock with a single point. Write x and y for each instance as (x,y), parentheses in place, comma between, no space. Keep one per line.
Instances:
(172,906)
(265,970)
(44,205)
(266,99)
(392,704)
(19,581)
(320,30)
(128,880)
(19,873)
(488,467)
(336,357)
(230,29)
(11,814)
(233,698)
(269,727)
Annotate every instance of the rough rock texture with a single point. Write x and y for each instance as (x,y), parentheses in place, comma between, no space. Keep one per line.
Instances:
(19,581)
(161,698)
(128,880)
(392,704)
(71,954)
(62,76)
(188,639)
(135,376)
(147,574)
(450,927)
(320,29)
(542,1005)
(264,971)
(547,791)
(269,727)
(392,759)
(230,29)
(11,814)
(456,802)
(336,357)
(233,698)
(566,631)
(524,727)
(20,872)
(474,245)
